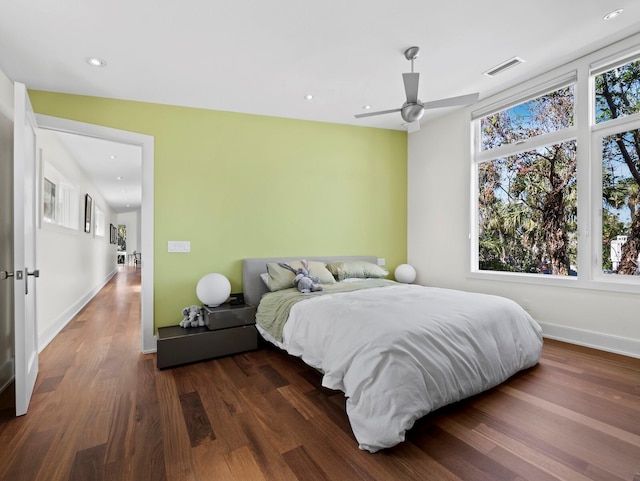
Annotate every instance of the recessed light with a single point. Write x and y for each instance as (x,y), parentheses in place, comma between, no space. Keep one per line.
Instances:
(96,61)
(113,156)
(308,97)
(366,107)
(118,178)
(612,15)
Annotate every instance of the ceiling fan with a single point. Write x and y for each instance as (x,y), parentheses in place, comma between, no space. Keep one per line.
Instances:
(413,109)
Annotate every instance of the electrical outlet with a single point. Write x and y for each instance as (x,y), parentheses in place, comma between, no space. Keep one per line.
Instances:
(179,246)
(381,261)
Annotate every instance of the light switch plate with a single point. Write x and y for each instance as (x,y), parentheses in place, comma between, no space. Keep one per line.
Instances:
(179,246)
(381,261)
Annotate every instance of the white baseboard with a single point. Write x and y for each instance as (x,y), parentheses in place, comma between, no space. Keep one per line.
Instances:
(153,347)
(596,340)
(6,374)
(44,338)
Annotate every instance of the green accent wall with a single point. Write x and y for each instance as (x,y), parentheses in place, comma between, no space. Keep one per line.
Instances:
(241,185)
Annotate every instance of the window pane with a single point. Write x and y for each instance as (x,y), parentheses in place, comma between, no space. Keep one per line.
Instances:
(527,217)
(621,203)
(618,92)
(548,113)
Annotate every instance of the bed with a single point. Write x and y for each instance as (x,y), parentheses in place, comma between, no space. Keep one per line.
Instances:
(396,351)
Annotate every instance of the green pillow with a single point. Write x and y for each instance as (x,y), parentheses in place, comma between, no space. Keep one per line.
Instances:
(281,278)
(360,269)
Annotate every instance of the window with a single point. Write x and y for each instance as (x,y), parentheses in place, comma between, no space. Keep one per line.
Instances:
(617,96)
(545,114)
(60,200)
(617,92)
(556,190)
(527,198)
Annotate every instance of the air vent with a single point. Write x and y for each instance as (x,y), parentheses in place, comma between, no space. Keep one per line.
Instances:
(512,62)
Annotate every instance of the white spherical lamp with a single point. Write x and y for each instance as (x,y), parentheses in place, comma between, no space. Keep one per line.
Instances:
(213,289)
(405,273)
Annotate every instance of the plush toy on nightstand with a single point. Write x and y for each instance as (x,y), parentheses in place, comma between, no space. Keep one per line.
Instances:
(192,317)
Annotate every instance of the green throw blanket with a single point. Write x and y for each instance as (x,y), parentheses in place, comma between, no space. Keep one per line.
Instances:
(274,307)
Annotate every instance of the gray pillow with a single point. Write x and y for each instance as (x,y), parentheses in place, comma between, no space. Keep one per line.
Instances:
(281,278)
(362,269)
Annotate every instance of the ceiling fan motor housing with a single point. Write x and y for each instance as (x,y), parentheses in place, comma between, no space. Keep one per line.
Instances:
(411,112)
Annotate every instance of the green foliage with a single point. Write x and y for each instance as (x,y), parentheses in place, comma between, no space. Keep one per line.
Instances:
(528,201)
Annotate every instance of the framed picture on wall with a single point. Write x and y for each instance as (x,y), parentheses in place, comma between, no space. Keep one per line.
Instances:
(49,201)
(111,234)
(87,213)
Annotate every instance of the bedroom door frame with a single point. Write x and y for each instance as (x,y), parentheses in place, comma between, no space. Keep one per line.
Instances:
(146,142)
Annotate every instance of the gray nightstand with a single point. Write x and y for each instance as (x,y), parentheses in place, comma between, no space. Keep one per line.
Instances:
(229,330)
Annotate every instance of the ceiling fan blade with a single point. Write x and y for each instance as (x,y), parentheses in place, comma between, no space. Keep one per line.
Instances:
(411,81)
(381,112)
(452,101)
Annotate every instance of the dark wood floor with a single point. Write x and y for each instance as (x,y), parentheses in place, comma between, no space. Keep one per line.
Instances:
(102,411)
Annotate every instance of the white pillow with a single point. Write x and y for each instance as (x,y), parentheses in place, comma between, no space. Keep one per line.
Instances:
(265,278)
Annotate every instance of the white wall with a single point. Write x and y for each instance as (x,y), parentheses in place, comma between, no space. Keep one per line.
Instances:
(438,246)
(132,221)
(73,265)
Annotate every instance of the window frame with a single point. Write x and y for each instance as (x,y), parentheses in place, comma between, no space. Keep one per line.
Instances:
(599,132)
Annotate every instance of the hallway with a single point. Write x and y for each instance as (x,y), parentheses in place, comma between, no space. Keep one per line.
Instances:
(85,397)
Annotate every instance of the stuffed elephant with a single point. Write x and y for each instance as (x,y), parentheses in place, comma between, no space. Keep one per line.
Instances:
(302,280)
(192,317)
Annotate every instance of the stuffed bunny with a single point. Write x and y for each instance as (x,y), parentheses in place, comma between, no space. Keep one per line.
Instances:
(302,280)
(192,317)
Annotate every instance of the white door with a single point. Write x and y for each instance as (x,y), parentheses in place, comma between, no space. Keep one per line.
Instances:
(24,231)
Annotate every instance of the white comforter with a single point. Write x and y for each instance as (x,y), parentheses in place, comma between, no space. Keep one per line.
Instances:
(402,351)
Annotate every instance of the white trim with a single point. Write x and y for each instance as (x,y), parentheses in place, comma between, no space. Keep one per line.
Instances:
(59,323)
(596,340)
(155,347)
(146,142)
(612,283)
(530,144)
(536,87)
(609,62)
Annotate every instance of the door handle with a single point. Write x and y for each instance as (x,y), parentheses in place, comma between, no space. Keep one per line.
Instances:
(5,275)
(35,273)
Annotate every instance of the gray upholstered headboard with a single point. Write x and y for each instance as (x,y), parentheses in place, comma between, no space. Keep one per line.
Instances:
(253,287)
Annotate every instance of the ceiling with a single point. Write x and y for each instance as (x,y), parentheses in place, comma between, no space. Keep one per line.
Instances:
(264,57)
(114,168)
